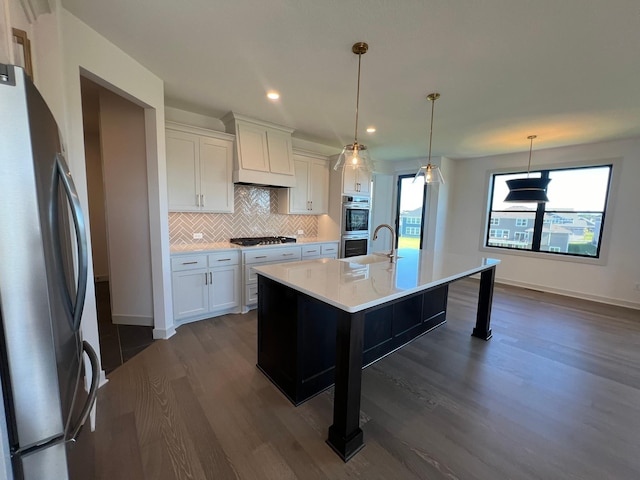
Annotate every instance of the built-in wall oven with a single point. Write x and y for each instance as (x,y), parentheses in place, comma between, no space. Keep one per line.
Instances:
(354,245)
(355,226)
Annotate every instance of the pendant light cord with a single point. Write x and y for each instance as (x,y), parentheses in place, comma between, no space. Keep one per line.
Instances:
(530,137)
(433,106)
(355,135)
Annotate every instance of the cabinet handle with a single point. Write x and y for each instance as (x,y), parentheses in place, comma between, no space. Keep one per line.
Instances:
(202,200)
(261,256)
(312,251)
(211,278)
(311,205)
(197,200)
(287,254)
(189,263)
(224,260)
(206,279)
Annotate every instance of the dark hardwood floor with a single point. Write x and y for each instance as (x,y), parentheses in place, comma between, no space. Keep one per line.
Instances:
(118,343)
(555,394)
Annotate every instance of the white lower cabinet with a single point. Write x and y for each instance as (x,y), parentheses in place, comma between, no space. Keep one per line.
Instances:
(254,258)
(320,250)
(205,285)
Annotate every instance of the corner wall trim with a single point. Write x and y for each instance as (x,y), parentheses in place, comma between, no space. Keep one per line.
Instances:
(163,334)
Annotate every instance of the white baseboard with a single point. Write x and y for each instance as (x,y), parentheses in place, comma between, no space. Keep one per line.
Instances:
(569,293)
(163,334)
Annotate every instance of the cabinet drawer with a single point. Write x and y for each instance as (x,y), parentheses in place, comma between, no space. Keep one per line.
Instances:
(220,259)
(272,255)
(311,250)
(329,248)
(184,262)
(251,293)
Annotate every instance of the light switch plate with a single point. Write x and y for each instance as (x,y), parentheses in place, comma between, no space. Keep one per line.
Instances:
(300,232)
(197,236)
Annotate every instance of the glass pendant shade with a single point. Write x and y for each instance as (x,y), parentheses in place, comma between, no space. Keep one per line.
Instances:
(528,190)
(430,174)
(354,155)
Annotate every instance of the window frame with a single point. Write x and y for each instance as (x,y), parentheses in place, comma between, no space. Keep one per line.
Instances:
(615,165)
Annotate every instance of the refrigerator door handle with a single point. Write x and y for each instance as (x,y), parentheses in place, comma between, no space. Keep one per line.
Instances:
(93,391)
(62,173)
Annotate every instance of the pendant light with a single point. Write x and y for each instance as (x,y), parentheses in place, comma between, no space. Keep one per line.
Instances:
(528,190)
(432,174)
(355,155)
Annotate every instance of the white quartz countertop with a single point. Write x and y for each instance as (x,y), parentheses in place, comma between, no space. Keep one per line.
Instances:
(212,247)
(352,286)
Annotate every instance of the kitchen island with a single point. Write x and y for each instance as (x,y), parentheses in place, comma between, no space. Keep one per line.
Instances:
(321,322)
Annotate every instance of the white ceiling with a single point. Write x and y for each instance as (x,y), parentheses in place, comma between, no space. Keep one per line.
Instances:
(566,70)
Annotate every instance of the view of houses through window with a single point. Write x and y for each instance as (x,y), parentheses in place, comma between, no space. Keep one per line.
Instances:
(409,214)
(570,223)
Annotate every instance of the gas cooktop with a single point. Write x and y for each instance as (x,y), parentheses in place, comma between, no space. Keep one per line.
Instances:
(252,241)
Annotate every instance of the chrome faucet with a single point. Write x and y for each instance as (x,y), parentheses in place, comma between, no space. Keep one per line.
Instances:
(391,255)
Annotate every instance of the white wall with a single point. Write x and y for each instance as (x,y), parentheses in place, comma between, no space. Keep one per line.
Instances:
(614,282)
(63,45)
(122,140)
(95,187)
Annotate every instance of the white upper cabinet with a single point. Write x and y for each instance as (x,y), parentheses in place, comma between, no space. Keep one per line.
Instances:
(356,181)
(199,169)
(311,193)
(263,152)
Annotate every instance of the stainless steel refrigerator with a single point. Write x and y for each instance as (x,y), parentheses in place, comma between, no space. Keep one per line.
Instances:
(42,293)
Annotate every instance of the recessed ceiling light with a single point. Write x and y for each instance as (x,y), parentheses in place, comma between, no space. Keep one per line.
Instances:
(273,95)
(371,129)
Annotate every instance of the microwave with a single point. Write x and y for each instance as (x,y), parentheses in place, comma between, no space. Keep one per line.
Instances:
(355,215)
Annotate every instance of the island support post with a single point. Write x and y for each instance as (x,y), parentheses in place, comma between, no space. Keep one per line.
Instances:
(345,435)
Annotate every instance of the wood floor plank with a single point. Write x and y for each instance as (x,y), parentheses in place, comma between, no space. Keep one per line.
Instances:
(555,394)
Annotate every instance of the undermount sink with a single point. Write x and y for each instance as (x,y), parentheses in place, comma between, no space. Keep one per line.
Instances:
(368,259)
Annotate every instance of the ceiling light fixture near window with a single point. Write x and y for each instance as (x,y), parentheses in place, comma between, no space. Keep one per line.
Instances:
(355,155)
(432,174)
(528,190)
(273,95)
(371,129)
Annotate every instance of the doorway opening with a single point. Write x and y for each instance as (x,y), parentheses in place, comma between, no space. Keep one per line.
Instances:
(410,215)
(115,158)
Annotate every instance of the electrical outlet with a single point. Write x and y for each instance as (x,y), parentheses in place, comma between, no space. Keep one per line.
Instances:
(638,286)
(300,232)
(197,236)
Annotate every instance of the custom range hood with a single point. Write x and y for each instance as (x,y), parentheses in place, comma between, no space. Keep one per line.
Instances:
(263,154)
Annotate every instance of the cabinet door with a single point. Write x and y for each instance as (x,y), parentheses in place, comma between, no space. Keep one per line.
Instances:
(216,186)
(280,154)
(363,181)
(190,293)
(355,181)
(299,195)
(183,172)
(253,153)
(224,291)
(318,187)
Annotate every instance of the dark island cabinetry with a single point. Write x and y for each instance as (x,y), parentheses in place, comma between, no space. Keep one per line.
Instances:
(297,334)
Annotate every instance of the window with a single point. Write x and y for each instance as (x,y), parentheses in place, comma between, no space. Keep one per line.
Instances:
(413,231)
(413,220)
(571,223)
(498,233)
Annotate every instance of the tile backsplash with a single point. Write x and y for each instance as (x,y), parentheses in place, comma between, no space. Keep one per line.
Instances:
(255,214)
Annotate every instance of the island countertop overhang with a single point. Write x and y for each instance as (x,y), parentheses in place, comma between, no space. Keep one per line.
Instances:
(353,287)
